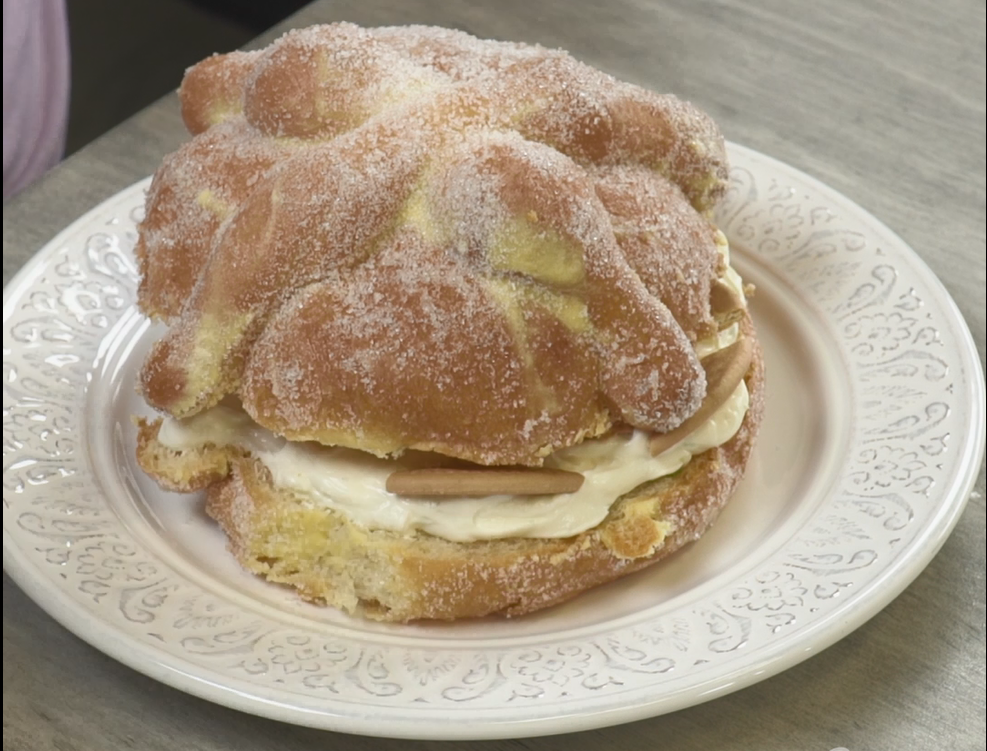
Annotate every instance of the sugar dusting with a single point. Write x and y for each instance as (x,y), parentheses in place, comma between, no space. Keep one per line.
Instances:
(412,238)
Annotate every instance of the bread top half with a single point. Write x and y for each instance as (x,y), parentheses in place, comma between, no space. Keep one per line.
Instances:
(409,238)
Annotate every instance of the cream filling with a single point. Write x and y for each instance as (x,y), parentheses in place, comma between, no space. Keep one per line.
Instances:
(718,341)
(353,482)
(730,276)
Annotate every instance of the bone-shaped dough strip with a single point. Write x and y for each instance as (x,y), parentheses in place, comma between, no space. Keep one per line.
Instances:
(724,371)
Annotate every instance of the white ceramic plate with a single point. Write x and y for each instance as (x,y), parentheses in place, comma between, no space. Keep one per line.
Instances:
(871,442)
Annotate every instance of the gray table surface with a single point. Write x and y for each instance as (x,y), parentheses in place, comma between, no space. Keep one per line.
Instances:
(884,101)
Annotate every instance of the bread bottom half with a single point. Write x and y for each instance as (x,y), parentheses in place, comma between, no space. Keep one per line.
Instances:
(389,576)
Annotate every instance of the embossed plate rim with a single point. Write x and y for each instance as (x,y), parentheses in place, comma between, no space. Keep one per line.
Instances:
(654,693)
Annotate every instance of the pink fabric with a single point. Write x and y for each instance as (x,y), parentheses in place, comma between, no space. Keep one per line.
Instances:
(35,89)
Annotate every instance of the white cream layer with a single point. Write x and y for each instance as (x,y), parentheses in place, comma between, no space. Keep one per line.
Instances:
(353,482)
(730,276)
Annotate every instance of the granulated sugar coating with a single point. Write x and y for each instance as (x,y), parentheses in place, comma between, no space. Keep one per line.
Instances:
(411,238)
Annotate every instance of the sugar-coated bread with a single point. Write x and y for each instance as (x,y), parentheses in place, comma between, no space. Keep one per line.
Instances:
(405,239)
(376,235)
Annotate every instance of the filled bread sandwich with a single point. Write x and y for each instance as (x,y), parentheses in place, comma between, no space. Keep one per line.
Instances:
(450,332)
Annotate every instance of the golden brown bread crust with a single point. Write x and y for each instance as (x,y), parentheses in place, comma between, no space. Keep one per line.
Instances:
(386,576)
(365,215)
